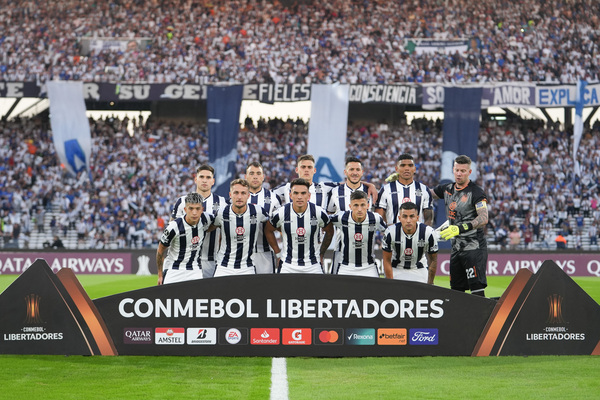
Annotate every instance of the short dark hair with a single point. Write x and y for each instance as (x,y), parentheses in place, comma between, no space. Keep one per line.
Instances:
(409,205)
(242,182)
(299,181)
(194,198)
(405,156)
(462,159)
(205,167)
(305,157)
(358,195)
(350,159)
(255,164)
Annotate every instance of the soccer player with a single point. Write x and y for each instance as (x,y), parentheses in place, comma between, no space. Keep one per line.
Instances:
(182,241)
(356,228)
(299,223)
(205,179)
(467,212)
(263,258)
(405,188)
(339,199)
(239,224)
(410,248)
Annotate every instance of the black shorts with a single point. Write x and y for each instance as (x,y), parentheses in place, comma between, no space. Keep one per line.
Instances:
(467,270)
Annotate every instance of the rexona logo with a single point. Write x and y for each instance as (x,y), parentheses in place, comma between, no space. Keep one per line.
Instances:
(233,335)
(264,336)
(169,336)
(428,336)
(201,336)
(297,336)
(392,337)
(361,336)
(329,336)
(137,336)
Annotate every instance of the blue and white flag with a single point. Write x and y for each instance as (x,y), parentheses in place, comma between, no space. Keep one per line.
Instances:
(223,113)
(70,126)
(327,131)
(578,123)
(462,109)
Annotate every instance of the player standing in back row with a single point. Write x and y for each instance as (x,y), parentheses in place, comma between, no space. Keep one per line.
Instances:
(404,189)
(205,179)
(467,213)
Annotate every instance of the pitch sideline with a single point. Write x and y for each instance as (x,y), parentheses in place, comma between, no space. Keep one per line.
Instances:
(279,383)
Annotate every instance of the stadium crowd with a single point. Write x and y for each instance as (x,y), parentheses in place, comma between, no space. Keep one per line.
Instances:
(309,41)
(526,170)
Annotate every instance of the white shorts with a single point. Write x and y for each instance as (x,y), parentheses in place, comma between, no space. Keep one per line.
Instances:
(369,270)
(413,274)
(264,262)
(181,275)
(208,268)
(226,271)
(297,269)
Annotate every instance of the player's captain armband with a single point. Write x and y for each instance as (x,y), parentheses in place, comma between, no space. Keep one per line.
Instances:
(480,205)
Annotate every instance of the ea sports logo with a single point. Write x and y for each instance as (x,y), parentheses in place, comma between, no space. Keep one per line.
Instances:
(405,200)
(233,336)
(196,240)
(408,252)
(301,231)
(358,237)
(452,206)
(240,230)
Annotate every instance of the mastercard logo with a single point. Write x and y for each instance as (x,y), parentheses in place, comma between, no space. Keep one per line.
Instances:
(329,336)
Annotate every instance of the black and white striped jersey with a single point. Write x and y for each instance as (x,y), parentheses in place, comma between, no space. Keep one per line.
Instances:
(318,193)
(239,233)
(300,233)
(184,242)
(211,205)
(266,200)
(409,252)
(392,195)
(357,238)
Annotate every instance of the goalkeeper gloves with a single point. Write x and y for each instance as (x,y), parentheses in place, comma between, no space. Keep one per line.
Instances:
(455,230)
(393,177)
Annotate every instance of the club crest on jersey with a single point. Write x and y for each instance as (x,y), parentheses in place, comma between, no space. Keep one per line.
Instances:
(421,243)
(253,220)
(196,242)
(313,221)
(418,192)
(464,199)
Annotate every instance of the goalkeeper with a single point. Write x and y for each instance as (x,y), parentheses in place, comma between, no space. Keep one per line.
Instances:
(467,213)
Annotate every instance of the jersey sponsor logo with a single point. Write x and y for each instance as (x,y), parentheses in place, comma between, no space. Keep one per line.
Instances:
(358,237)
(392,337)
(201,336)
(360,336)
(329,336)
(196,240)
(170,336)
(233,335)
(406,200)
(300,336)
(428,336)
(452,206)
(301,231)
(137,336)
(408,252)
(240,230)
(268,336)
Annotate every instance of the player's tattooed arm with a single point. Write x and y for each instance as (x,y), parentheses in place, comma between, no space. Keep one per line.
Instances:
(482,215)
(160,259)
